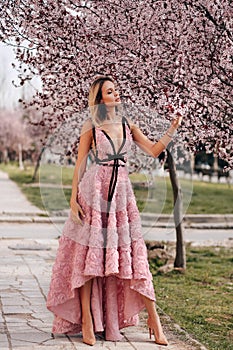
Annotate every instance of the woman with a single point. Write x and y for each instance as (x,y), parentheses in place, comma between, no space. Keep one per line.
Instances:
(101,278)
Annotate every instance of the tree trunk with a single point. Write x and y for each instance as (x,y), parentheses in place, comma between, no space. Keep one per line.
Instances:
(37,163)
(21,166)
(215,166)
(192,164)
(180,259)
(5,156)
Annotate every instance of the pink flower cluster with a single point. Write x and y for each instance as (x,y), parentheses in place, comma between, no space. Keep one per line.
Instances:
(162,54)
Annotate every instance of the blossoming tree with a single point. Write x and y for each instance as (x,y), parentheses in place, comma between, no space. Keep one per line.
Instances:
(167,55)
(14,136)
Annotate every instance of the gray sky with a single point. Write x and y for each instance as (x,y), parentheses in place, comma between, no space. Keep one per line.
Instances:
(9,95)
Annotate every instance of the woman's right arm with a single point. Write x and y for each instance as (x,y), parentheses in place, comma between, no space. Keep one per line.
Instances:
(151,148)
(80,167)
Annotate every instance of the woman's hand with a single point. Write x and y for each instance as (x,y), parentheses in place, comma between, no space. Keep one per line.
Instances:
(177,120)
(77,213)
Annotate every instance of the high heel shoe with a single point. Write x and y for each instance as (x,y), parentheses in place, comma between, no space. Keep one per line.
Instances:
(88,334)
(160,340)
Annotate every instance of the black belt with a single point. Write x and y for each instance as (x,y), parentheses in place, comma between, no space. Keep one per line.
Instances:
(113,181)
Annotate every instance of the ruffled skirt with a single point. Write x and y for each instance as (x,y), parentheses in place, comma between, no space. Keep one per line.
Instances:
(109,250)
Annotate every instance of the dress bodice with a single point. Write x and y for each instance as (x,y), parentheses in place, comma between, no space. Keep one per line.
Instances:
(105,149)
(106,154)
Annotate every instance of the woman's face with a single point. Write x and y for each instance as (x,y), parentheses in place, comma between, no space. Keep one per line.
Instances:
(110,95)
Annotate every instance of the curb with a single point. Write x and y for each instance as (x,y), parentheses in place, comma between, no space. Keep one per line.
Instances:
(195,218)
(199,221)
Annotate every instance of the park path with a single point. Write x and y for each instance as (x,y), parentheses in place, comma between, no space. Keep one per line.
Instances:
(25,270)
(25,323)
(12,199)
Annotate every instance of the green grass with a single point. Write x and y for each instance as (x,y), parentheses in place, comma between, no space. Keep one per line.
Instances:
(57,198)
(54,174)
(200,300)
(198,197)
(211,198)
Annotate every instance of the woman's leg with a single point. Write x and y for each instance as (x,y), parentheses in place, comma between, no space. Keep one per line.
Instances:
(87,324)
(154,321)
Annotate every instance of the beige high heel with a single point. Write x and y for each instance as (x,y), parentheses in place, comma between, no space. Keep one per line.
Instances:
(88,334)
(162,340)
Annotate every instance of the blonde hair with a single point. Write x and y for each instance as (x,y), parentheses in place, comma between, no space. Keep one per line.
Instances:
(98,109)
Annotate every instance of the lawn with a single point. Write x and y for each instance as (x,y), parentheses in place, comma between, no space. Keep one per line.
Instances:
(200,300)
(198,197)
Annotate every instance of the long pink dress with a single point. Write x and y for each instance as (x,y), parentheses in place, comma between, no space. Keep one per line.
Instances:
(108,248)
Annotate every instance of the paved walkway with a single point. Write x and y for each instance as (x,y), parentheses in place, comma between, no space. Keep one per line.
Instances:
(25,270)
(12,199)
(26,323)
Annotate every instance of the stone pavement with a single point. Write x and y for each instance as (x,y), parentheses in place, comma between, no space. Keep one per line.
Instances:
(25,323)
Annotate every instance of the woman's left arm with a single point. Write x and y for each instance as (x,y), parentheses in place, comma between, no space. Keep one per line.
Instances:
(151,148)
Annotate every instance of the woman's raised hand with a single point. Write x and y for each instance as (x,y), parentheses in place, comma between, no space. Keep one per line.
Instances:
(177,120)
(177,112)
(77,213)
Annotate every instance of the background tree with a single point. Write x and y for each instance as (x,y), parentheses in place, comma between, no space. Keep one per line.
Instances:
(164,55)
(37,132)
(21,138)
(14,137)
